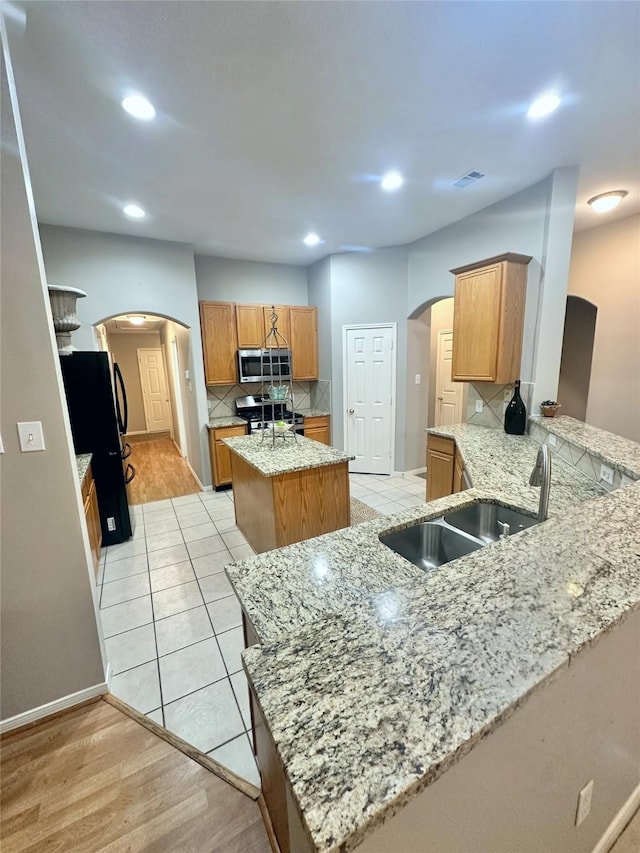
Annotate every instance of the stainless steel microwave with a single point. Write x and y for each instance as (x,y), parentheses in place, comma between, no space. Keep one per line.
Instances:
(263,365)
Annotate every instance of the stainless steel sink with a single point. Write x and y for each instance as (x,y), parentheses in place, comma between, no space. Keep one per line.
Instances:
(486,521)
(430,544)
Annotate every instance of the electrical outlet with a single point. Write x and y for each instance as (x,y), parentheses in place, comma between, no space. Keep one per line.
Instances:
(479,405)
(552,440)
(508,394)
(417,378)
(584,803)
(606,474)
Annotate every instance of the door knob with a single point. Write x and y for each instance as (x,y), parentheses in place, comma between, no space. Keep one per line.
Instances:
(351,411)
(439,398)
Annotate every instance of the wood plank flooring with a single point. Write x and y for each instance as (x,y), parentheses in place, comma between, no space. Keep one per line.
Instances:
(160,471)
(96,780)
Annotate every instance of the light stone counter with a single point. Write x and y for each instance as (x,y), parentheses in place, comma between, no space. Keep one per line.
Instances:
(375,677)
(286,456)
(83,460)
(313,413)
(216,423)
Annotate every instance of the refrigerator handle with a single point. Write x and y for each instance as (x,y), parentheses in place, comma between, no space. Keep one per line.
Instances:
(126,453)
(123,417)
(129,476)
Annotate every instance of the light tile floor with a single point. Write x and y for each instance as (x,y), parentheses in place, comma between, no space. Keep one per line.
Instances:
(172,623)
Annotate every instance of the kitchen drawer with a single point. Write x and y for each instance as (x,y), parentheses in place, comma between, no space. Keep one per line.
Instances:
(441,444)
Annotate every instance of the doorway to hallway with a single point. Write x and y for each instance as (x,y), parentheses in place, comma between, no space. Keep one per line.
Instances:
(161,472)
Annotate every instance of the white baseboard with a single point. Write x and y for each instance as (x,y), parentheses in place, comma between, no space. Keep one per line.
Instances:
(55,707)
(415,471)
(137,432)
(197,479)
(619,822)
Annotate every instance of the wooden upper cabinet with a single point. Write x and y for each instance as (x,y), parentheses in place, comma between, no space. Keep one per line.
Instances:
(250,326)
(219,342)
(282,323)
(304,341)
(488,319)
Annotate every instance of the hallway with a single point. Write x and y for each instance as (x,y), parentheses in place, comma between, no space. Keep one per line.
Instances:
(161,472)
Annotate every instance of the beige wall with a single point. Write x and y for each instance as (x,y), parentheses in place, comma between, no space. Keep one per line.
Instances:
(124,349)
(605,270)
(168,332)
(48,623)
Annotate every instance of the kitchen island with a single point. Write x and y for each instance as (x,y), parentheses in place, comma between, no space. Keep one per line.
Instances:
(288,491)
(374,679)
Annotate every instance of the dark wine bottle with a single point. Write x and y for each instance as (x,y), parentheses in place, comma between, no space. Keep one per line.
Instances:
(515,416)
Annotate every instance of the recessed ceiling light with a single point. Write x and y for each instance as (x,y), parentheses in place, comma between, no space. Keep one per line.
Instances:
(133,211)
(139,107)
(605,202)
(543,106)
(312,240)
(136,320)
(391,181)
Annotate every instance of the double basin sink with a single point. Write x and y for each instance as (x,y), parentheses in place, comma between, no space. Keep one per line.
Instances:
(441,540)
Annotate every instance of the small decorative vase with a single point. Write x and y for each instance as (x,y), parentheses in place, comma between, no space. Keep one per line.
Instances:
(63,308)
(549,411)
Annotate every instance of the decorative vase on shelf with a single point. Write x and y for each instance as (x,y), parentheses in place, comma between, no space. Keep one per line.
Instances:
(63,308)
(515,416)
(549,408)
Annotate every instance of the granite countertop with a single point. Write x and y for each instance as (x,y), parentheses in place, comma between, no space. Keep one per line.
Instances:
(231,420)
(610,448)
(83,460)
(375,677)
(286,455)
(313,413)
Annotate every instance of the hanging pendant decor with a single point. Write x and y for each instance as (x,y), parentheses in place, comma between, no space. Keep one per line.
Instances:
(277,390)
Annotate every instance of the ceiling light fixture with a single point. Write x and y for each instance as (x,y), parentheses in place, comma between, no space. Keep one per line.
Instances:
(543,106)
(139,107)
(134,211)
(605,202)
(136,319)
(312,240)
(391,181)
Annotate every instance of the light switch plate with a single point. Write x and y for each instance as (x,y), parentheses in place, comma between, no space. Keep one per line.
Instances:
(30,436)
(417,378)
(552,440)
(479,405)
(1,445)
(606,474)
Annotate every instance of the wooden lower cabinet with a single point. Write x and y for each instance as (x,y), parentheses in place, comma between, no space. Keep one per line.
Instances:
(458,471)
(220,454)
(445,467)
(318,429)
(92,518)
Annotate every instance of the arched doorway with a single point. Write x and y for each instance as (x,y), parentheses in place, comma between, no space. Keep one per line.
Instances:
(577,354)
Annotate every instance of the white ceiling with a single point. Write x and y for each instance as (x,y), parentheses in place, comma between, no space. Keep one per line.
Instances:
(275,118)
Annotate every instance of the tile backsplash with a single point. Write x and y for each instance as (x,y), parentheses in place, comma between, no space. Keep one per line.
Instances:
(220,399)
(320,395)
(494,402)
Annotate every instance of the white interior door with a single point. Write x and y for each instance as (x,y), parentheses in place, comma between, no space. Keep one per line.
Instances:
(369,383)
(449,394)
(155,393)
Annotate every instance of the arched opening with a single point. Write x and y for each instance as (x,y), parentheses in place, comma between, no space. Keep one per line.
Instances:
(153,354)
(577,355)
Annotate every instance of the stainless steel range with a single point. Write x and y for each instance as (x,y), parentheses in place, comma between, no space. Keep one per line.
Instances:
(260,411)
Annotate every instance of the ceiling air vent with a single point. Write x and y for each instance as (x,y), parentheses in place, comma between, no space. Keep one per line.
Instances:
(469,178)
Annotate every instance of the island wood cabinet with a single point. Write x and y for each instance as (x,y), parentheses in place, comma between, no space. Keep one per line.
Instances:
(219,342)
(488,319)
(220,455)
(228,326)
(318,428)
(445,468)
(92,517)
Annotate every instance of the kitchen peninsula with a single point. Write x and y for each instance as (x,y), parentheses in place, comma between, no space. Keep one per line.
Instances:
(288,490)
(397,709)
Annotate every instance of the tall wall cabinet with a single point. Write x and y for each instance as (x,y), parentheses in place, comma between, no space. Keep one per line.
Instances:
(228,326)
(488,319)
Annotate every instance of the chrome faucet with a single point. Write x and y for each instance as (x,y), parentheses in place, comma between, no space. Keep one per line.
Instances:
(541,476)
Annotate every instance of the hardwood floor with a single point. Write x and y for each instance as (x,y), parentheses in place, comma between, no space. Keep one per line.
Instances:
(160,471)
(96,780)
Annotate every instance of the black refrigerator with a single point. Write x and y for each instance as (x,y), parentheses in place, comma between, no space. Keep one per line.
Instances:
(97,403)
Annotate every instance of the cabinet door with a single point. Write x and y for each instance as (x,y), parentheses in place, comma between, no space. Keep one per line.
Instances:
(304,341)
(458,468)
(317,429)
(476,324)
(221,455)
(439,474)
(219,342)
(250,326)
(282,323)
(92,517)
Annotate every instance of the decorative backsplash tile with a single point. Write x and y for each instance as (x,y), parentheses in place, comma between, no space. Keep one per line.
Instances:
(494,402)
(220,399)
(576,456)
(321,394)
